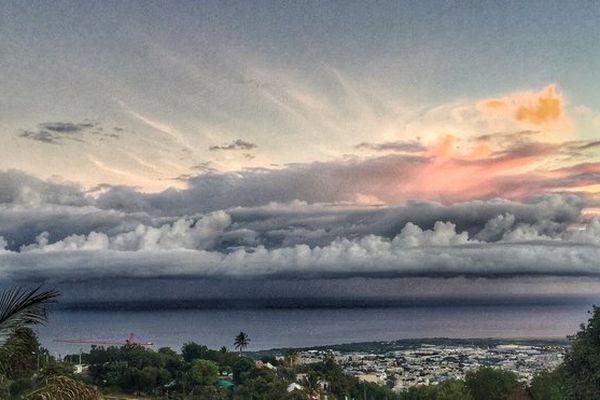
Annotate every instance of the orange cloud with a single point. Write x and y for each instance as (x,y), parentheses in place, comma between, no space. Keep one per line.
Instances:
(546,108)
(481,150)
(443,146)
(529,107)
(493,103)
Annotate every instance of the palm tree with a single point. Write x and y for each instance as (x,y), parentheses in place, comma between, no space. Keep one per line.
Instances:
(311,384)
(291,358)
(241,341)
(20,307)
(64,388)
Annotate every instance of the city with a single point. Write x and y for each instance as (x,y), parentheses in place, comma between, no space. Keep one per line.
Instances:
(430,364)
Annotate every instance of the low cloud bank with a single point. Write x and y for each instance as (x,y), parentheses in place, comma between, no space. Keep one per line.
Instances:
(55,232)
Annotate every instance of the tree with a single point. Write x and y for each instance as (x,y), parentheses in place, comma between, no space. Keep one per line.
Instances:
(424,392)
(191,351)
(547,386)
(19,354)
(131,380)
(488,383)
(295,395)
(290,359)
(204,372)
(170,360)
(241,341)
(20,307)
(581,367)
(242,370)
(453,389)
(311,384)
(264,385)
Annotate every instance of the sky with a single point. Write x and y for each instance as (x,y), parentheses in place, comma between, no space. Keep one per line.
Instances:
(255,149)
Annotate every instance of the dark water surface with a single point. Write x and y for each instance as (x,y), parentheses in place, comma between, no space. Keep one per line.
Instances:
(300,327)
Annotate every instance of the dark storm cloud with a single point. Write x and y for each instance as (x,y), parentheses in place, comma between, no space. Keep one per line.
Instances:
(55,232)
(237,144)
(369,258)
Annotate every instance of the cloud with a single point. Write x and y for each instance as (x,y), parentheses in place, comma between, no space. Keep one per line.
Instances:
(545,107)
(55,232)
(237,144)
(17,187)
(444,253)
(59,132)
(181,234)
(397,146)
(513,169)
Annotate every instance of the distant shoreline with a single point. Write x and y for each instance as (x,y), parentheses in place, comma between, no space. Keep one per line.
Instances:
(379,347)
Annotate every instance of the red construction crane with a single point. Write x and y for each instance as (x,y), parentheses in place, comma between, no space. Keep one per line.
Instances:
(130,341)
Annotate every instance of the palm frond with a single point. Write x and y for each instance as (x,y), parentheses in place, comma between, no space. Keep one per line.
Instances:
(20,307)
(63,388)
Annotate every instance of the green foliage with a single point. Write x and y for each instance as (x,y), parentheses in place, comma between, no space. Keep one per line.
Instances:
(311,384)
(171,361)
(581,366)
(193,351)
(19,354)
(547,385)
(204,372)
(453,389)
(242,370)
(54,367)
(295,395)
(208,393)
(19,387)
(491,383)
(420,393)
(290,358)
(261,384)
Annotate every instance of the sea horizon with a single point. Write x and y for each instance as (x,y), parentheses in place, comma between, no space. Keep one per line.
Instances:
(277,324)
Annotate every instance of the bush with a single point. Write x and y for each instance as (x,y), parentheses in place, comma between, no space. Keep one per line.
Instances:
(204,373)
(581,368)
(488,383)
(453,389)
(546,386)
(19,387)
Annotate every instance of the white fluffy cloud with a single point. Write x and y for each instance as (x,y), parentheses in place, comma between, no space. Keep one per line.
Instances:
(181,234)
(442,234)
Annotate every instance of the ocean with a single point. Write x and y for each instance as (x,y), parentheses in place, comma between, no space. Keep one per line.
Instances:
(296,326)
